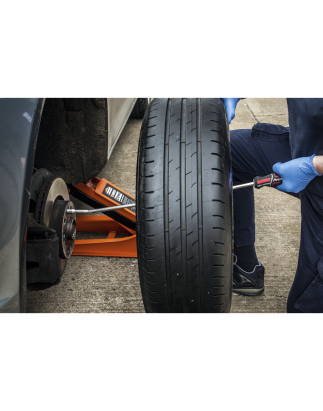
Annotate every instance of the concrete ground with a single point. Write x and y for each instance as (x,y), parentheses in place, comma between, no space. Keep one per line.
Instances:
(103,284)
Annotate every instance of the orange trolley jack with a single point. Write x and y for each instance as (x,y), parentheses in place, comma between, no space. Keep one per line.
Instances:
(120,224)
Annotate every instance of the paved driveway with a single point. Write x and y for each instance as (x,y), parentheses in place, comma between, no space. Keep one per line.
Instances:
(103,284)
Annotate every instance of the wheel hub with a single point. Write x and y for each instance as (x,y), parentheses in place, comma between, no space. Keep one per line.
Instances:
(65,225)
(51,210)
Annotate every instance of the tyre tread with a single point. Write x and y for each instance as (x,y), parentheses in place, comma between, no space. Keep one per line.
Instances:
(184,221)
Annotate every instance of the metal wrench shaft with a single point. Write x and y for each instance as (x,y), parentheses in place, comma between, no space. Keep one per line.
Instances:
(100,210)
(243,185)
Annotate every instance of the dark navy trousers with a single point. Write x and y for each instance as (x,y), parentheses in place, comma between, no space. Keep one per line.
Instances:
(254,152)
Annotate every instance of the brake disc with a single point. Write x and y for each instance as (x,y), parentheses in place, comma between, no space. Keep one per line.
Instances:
(53,189)
(52,203)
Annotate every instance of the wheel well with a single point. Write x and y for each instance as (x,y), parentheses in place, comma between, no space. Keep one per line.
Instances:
(73,140)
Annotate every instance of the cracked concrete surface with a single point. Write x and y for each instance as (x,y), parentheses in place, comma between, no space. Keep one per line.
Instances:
(102,284)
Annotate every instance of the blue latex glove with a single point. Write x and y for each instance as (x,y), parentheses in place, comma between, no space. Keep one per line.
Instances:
(296,174)
(230,105)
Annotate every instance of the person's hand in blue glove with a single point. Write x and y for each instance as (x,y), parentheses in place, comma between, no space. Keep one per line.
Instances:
(296,174)
(230,105)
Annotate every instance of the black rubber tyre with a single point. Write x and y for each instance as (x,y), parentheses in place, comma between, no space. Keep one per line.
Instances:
(72,140)
(139,108)
(184,207)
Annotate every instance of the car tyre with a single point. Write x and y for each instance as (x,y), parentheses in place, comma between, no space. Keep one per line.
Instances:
(184,207)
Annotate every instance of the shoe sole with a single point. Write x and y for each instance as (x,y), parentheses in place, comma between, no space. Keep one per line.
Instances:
(249,292)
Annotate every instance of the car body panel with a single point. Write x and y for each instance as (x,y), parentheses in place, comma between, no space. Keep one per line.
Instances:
(119,110)
(19,124)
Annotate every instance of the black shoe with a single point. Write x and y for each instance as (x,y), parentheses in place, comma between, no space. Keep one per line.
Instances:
(248,283)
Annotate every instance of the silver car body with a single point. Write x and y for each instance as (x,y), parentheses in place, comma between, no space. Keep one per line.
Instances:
(119,110)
